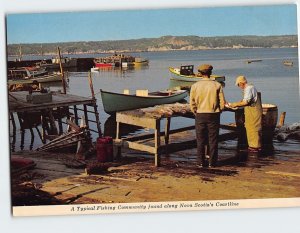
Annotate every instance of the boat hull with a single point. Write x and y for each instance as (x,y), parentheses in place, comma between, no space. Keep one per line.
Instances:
(66,63)
(41,79)
(115,102)
(192,78)
(104,65)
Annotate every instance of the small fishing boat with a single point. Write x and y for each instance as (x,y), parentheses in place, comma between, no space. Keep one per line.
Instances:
(95,69)
(255,60)
(54,63)
(127,64)
(288,63)
(140,61)
(186,73)
(55,77)
(26,72)
(118,60)
(115,102)
(105,63)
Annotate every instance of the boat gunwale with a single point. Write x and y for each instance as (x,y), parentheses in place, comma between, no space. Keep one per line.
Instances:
(180,92)
(171,69)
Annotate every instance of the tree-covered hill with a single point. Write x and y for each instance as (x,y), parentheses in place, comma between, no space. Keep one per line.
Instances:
(164,43)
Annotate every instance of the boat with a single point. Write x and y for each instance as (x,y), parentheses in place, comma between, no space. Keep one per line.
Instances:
(255,60)
(140,61)
(103,63)
(26,72)
(115,102)
(127,64)
(118,60)
(55,77)
(95,69)
(288,63)
(186,73)
(54,63)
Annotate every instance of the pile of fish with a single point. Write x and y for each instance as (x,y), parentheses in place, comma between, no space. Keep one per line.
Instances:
(284,133)
(167,110)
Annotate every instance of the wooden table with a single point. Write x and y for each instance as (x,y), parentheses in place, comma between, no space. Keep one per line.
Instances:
(152,120)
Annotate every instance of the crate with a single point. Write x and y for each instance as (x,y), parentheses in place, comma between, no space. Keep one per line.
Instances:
(39,98)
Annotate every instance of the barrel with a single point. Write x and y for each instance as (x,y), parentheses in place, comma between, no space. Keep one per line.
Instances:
(269,122)
(105,149)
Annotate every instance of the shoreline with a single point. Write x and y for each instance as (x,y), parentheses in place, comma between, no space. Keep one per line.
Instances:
(134,178)
(147,51)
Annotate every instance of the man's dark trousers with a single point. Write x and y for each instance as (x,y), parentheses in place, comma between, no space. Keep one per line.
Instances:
(207,130)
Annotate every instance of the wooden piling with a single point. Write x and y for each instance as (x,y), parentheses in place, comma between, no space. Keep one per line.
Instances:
(52,123)
(282,119)
(13,123)
(62,72)
(75,114)
(95,104)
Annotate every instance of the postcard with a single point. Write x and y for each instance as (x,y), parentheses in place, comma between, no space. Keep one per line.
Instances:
(153,110)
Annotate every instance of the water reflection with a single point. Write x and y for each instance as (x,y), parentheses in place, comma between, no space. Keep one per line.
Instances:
(183,84)
(117,72)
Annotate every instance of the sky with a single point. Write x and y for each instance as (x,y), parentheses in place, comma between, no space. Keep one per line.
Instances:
(135,24)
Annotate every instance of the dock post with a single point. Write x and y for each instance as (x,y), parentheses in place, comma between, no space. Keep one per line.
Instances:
(62,72)
(45,126)
(282,119)
(167,134)
(32,139)
(22,139)
(95,104)
(52,123)
(13,143)
(118,136)
(39,133)
(157,143)
(13,122)
(60,126)
(86,119)
(76,114)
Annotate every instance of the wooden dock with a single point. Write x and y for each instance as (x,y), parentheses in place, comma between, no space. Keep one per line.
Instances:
(50,113)
(17,101)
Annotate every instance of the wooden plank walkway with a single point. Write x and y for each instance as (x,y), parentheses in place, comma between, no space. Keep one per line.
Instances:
(17,101)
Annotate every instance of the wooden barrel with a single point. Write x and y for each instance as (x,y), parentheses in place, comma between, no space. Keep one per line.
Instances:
(269,122)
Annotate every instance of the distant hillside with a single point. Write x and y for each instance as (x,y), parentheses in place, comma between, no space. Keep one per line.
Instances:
(164,43)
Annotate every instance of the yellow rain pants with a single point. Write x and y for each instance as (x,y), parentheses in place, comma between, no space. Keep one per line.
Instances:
(253,124)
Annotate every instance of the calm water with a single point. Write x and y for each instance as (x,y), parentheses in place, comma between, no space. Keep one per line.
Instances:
(278,84)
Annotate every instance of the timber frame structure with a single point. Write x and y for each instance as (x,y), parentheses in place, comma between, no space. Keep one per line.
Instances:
(50,114)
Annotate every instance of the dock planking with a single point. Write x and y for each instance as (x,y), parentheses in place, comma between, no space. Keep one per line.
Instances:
(17,101)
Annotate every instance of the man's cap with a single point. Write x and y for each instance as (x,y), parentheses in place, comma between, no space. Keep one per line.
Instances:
(240,79)
(205,67)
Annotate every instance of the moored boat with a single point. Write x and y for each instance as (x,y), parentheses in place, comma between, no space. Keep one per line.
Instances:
(253,60)
(26,72)
(288,63)
(115,102)
(140,61)
(186,73)
(55,63)
(55,77)
(104,63)
(95,69)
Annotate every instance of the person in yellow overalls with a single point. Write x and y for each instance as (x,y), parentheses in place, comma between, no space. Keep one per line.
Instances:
(253,113)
